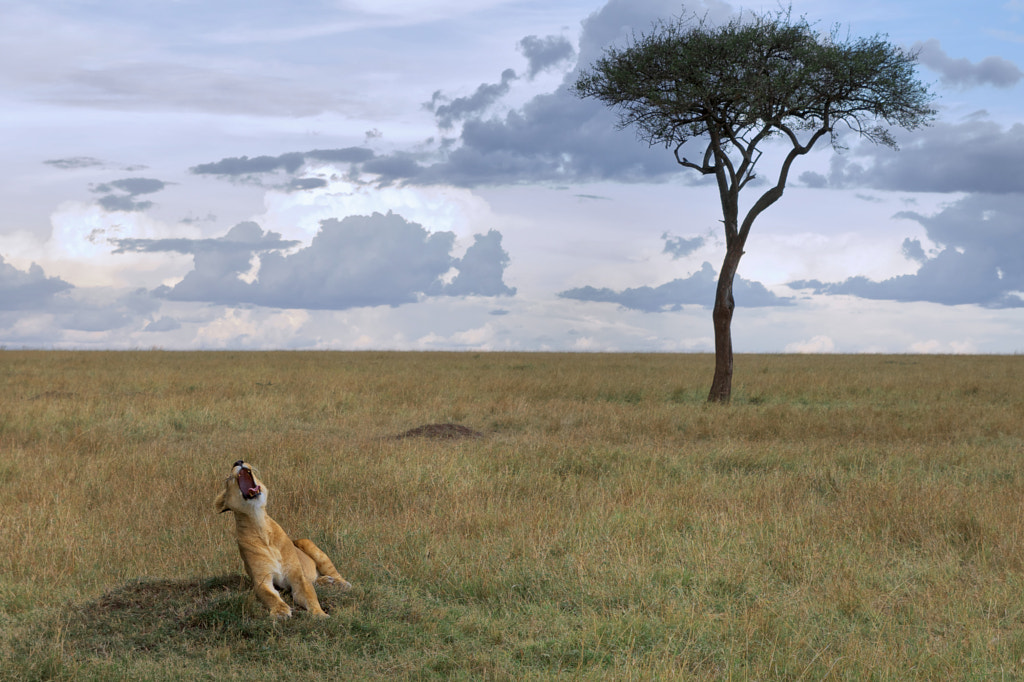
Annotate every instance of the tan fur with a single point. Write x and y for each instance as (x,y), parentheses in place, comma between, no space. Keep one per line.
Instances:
(272,560)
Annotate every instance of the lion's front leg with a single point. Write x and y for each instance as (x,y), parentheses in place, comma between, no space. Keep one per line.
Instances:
(304,594)
(268,594)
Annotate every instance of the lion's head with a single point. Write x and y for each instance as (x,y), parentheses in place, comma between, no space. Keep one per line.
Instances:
(242,489)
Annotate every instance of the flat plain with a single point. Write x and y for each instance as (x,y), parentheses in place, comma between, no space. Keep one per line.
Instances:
(845,517)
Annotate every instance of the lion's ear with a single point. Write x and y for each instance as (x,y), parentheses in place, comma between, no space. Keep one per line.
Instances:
(220,504)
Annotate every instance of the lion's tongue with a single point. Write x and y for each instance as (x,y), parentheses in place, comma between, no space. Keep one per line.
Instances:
(247,485)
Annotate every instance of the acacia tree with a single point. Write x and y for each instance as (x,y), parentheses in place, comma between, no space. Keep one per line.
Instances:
(736,86)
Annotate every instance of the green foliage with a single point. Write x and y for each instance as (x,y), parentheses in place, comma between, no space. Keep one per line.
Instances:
(750,79)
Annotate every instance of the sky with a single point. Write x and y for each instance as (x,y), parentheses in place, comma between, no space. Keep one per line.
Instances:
(418,175)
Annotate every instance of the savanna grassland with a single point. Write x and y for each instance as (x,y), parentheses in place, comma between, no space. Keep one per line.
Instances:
(846,517)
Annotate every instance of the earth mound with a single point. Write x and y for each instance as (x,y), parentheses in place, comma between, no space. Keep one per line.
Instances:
(441,431)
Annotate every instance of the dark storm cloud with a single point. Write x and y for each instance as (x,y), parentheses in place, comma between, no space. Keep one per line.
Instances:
(971,156)
(289,163)
(557,136)
(964,73)
(132,186)
(462,108)
(299,184)
(119,195)
(123,202)
(359,261)
(980,258)
(546,53)
(28,289)
(398,167)
(554,137)
(697,289)
(243,165)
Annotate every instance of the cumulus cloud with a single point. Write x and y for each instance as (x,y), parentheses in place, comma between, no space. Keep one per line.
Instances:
(482,269)
(980,258)
(963,73)
(697,289)
(355,262)
(28,290)
(358,261)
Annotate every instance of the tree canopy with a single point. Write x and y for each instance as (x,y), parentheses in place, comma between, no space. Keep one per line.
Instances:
(750,79)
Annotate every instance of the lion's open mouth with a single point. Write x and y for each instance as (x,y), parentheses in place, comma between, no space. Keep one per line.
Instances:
(247,485)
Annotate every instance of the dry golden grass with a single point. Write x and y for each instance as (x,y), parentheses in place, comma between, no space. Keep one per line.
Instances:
(846,517)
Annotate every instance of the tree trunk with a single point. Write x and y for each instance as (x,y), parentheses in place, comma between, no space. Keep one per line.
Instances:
(721,385)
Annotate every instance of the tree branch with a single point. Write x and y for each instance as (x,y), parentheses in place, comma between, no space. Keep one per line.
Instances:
(703,169)
(775,193)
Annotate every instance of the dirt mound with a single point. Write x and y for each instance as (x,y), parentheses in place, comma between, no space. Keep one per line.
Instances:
(443,431)
(174,618)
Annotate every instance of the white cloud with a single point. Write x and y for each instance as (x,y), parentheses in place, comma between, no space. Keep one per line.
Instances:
(934,346)
(818,344)
(297,215)
(253,329)
(79,248)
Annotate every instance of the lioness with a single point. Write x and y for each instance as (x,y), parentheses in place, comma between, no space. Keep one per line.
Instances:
(272,560)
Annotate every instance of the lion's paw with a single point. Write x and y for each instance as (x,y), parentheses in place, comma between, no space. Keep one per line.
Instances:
(340,583)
